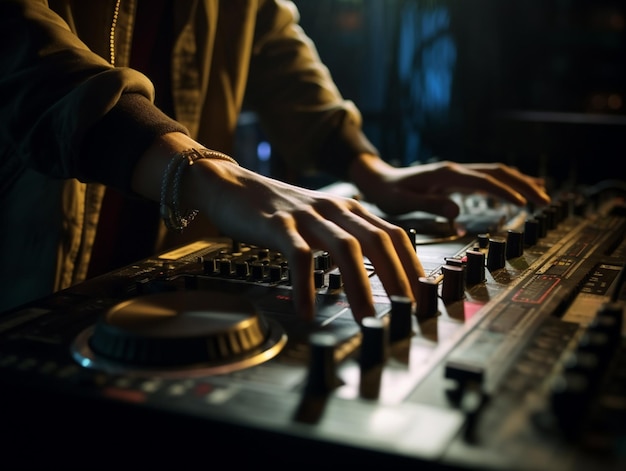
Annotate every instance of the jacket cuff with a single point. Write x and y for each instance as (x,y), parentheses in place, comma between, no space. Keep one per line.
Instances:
(342,146)
(113,145)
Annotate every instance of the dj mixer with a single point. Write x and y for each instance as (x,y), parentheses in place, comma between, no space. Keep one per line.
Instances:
(513,359)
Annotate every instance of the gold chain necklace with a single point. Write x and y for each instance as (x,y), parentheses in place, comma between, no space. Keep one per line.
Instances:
(112,33)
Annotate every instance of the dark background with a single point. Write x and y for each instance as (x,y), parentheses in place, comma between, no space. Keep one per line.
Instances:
(536,84)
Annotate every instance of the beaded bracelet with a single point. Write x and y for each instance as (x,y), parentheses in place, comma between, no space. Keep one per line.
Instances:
(174,218)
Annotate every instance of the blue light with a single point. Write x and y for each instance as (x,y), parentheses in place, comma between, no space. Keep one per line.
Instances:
(433,22)
(263,151)
(426,61)
(427,57)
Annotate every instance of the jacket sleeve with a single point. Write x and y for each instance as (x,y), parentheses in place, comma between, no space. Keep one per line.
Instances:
(54,91)
(300,107)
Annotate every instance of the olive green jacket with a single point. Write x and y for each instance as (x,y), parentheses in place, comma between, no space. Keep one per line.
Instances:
(64,68)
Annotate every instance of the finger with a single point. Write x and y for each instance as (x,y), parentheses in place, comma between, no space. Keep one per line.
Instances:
(301,271)
(387,247)
(470,181)
(345,249)
(403,247)
(533,188)
(377,245)
(291,243)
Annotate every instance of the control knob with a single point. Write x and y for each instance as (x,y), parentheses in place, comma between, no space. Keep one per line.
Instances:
(401,323)
(453,288)
(475,267)
(428,303)
(322,377)
(496,254)
(514,244)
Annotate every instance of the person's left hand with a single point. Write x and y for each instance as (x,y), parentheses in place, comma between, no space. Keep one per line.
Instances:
(428,187)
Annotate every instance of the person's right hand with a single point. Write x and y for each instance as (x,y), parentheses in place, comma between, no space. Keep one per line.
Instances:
(265,212)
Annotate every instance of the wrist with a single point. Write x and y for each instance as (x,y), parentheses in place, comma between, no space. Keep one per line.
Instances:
(148,172)
(368,170)
(168,172)
(174,215)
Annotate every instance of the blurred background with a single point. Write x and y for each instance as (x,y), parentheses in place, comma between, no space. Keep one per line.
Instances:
(538,84)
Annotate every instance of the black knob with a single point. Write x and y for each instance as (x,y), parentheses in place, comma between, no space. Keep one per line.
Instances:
(401,323)
(584,363)
(225,267)
(428,303)
(258,271)
(496,254)
(276,273)
(597,342)
(373,355)
(457,262)
(209,266)
(463,376)
(335,280)
(463,373)
(569,204)
(514,244)
(569,399)
(321,375)
(558,209)
(475,267)
(242,269)
(322,261)
(374,342)
(608,322)
(453,287)
(543,225)
(483,240)
(615,311)
(531,232)
(318,278)
(550,213)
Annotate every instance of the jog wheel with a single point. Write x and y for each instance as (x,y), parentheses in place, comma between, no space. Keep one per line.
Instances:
(180,333)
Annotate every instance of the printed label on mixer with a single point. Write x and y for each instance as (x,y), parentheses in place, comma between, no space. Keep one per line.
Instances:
(536,289)
(186,250)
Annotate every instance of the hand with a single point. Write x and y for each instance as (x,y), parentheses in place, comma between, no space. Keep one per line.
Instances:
(265,212)
(293,220)
(427,187)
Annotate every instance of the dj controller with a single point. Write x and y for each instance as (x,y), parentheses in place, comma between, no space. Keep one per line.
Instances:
(514,357)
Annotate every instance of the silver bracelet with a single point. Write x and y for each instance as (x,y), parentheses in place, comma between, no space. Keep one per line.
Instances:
(175,218)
